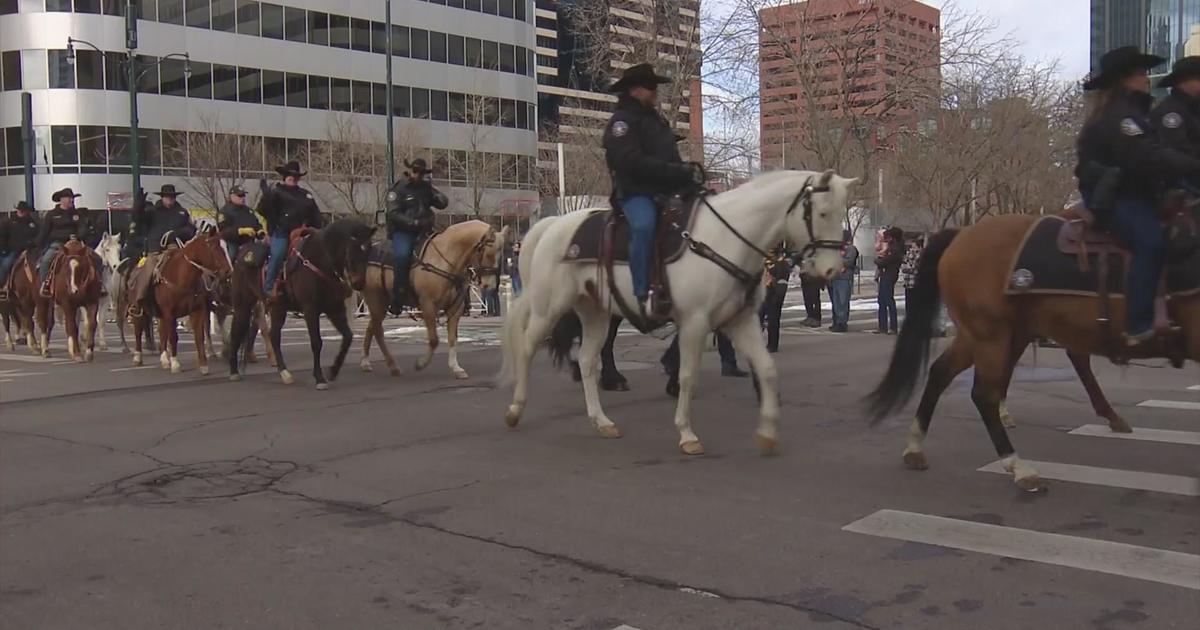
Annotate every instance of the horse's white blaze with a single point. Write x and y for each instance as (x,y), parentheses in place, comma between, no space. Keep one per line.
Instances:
(73,266)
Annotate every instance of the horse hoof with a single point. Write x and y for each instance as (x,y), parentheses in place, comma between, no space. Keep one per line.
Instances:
(767,446)
(461,375)
(396,371)
(1007,420)
(692,448)
(137,360)
(915,460)
(78,358)
(287,377)
(512,418)
(89,356)
(234,378)
(322,386)
(1032,483)
(420,365)
(365,365)
(609,431)
(204,371)
(1118,425)
(176,368)
(251,358)
(125,350)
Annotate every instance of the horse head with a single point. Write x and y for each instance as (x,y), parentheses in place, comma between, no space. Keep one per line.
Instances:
(816,213)
(109,250)
(486,259)
(349,244)
(77,264)
(206,253)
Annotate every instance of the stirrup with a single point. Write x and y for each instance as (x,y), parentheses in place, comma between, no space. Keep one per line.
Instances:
(136,311)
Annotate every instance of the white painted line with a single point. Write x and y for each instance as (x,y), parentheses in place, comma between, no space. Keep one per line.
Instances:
(25,358)
(138,367)
(1132,561)
(1190,438)
(1194,388)
(1111,477)
(624,627)
(1171,404)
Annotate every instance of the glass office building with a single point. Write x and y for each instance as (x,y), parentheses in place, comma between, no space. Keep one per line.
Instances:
(1156,26)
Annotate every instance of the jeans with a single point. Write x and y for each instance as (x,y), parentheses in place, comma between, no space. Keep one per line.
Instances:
(642,216)
(839,299)
(1133,222)
(47,258)
(670,358)
(402,246)
(279,247)
(6,264)
(491,300)
(516,284)
(887,304)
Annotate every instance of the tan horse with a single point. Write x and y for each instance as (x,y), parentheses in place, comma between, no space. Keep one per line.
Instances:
(440,278)
(969,271)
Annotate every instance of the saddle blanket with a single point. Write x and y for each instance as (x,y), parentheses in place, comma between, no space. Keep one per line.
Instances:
(1048,262)
(588,240)
(381,254)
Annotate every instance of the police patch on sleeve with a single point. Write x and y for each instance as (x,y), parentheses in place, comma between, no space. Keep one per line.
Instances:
(1130,127)
(620,128)
(391,196)
(1172,120)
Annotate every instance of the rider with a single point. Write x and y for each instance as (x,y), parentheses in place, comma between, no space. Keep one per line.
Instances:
(286,207)
(640,148)
(58,226)
(237,221)
(1177,117)
(410,205)
(18,233)
(1115,142)
(166,220)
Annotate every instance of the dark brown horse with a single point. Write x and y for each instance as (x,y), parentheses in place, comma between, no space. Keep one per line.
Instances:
(317,278)
(968,270)
(246,299)
(75,284)
(24,297)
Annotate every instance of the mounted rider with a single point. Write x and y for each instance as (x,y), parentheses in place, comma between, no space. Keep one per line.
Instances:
(57,227)
(1177,117)
(18,234)
(286,207)
(1122,172)
(643,159)
(237,222)
(410,217)
(165,223)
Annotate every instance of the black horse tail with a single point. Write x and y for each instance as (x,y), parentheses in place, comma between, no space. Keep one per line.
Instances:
(911,354)
(562,338)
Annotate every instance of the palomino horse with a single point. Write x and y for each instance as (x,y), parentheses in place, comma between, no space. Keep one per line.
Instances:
(316,280)
(186,279)
(246,299)
(715,284)
(24,298)
(75,284)
(439,280)
(969,271)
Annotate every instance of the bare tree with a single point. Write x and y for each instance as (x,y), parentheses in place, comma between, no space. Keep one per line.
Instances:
(217,159)
(350,165)
(479,168)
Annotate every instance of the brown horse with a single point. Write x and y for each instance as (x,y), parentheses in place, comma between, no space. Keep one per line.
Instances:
(968,270)
(24,297)
(75,284)
(439,280)
(246,299)
(187,278)
(317,279)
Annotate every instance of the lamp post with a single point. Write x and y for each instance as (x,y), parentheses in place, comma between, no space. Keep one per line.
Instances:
(391,139)
(133,74)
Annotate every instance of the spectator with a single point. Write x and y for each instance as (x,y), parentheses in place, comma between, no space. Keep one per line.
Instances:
(908,269)
(778,270)
(670,362)
(811,289)
(841,285)
(491,297)
(514,270)
(888,272)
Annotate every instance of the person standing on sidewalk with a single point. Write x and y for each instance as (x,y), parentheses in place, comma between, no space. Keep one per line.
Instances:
(908,268)
(811,289)
(888,269)
(779,269)
(841,285)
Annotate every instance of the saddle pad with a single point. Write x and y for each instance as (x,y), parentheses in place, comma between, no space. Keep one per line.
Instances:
(1042,267)
(588,239)
(381,254)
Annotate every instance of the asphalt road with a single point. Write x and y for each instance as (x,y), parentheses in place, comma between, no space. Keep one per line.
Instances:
(134,498)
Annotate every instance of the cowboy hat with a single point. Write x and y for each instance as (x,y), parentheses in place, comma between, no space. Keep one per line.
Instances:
(1186,68)
(237,191)
(66,192)
(1118,64)
(642,75)
(168,190)
(290,169)
(21,205)
(418,165)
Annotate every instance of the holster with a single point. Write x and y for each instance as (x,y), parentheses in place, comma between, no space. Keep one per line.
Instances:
(1103,182)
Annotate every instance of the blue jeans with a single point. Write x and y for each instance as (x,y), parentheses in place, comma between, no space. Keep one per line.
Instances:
(839,300)
(279,247)
(642,216)
(1133,222)
(402,246)
(516,284)
(6,264)
(887,304)
(47,258)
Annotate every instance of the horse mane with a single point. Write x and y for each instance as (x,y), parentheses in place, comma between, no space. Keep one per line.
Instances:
(337,235)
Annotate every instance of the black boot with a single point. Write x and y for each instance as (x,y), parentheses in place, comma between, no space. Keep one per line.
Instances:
(731,369)
(399,298)
(673,387)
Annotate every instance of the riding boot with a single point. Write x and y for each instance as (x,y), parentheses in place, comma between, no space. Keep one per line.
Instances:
(399,299)
(45,290)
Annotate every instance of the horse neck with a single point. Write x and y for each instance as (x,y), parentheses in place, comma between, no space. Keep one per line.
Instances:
(454,252)
(751,218)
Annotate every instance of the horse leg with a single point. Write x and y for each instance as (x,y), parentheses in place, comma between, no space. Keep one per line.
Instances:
(991,366)
(378,309)
(312,319)
(1083,367)
(748,341)
(45,315)
(341,322)
(594,322)
(522,339)
(374,318)
(278,317)
(239,327)
(950,364)
(452,341)
(203,340)
(119,315)
(691,344)
(102,309)
(429,314)
(259,327)
(92,323)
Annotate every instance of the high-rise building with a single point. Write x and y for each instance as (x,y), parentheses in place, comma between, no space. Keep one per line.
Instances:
(844,61)
(1161,27)
(273,79)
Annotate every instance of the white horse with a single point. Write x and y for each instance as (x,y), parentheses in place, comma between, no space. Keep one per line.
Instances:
(806,208)
(109,251)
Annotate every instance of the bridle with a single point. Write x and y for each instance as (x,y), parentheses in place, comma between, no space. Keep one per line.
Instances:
(475,253)
(814,244)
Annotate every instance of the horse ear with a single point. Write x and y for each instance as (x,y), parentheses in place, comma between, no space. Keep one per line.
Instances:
(825,177)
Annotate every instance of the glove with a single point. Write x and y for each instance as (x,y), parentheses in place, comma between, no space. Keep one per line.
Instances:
(697,174)
(246,231)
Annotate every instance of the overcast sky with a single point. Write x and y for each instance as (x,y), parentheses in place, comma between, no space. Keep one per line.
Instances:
(1044,29)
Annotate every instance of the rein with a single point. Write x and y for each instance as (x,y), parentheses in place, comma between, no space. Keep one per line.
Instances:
(461,278)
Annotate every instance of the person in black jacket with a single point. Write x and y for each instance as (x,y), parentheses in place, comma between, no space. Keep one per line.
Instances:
(286,207)
(410,204)
(640,148)
(1177,117)
(888,266)
(1117,140)
(237,222)
(163,224)
(778,271)
(57,227)
(18,233)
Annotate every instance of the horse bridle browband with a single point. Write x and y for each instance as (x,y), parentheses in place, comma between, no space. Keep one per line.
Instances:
(814,244)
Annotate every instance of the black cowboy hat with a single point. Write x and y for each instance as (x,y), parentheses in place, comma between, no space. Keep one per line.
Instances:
(21,205)
(418,165)
(66,192)
(290,169)
(642,75)
(1118,64)
(168,190)
(1186,68)
(237,191)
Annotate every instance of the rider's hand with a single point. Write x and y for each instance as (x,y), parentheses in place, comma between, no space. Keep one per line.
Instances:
(697,173)
(246,231)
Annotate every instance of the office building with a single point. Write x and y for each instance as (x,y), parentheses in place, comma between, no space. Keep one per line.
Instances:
(1161,27)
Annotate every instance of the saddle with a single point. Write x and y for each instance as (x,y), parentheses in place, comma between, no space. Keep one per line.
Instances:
(381,256)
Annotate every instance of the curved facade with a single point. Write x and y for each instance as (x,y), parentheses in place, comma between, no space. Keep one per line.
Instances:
(278,82)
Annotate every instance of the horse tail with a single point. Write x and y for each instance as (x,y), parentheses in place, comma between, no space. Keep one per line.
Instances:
(562,338)
(911,354)
(513,337)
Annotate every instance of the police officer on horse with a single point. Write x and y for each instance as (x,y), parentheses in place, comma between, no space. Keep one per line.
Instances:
(166,221)
(286,207)
(410,205)
(237,222)
(58,226)
(18,234)
(1177,117)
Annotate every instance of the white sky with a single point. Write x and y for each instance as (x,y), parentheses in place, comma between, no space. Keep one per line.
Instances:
(1044,29)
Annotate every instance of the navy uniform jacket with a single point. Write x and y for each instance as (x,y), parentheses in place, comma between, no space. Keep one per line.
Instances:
(287,208)
(1176,121)
(234,217)
(59,225)
(641,151)
(160,220)
(410,206)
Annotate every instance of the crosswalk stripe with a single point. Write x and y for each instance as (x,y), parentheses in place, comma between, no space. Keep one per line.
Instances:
(1194,388)
(624,627)
(1191,438)
(1171,404)
(1142,563)
(1130,479)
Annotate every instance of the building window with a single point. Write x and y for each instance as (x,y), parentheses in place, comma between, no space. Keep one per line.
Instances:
(115,76)
(491,55)
(64,145)
(10,70)
(508,113)
(491,7)
(339,31)
(170,11)
(520,12)
(295,25)
(342,100)
(297,90)
(474,5)
(93,146)
(272,87)
(89,69)
(87,6)
(148,74)
(437,47)
(224,15)
(522,62)
(420,44)
(297,149)
(225,83)
(457,4)
(457,107)
(252,154)
(361,97)
(379,99)
(7,7)
(275,150)
(400,40)
(507,9)
(379,38)
(474,52)
(420,103)
(522,116)
(318,28)
(360,34)
(197,13)
(147,10)
(248,22)
(59,70)
(200,83)
(529,70)
(508,59)
(456,53)
(400,101)
(438,107)
(272,21)
(249,85)
(174,151)
(318,92)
